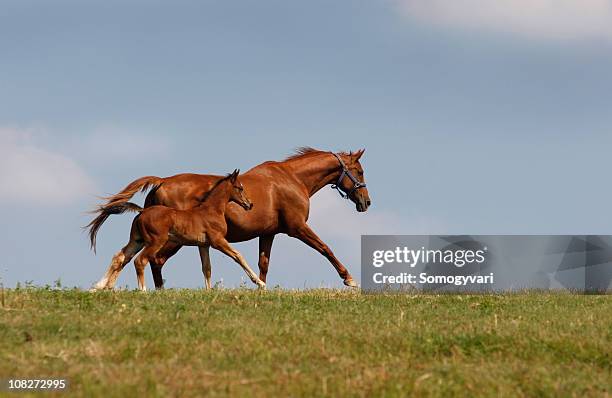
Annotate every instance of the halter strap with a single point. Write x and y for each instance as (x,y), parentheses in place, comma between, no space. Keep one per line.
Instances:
(345,172)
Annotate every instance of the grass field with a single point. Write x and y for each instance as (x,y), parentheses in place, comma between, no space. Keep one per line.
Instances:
(308,343)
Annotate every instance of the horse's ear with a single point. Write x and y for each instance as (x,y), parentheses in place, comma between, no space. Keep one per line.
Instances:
(234,175)
(357,155)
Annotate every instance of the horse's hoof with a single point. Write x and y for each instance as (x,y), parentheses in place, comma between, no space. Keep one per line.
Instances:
(261,285)
(350,283)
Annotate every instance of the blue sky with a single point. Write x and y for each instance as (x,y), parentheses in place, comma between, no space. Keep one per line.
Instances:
(477,118)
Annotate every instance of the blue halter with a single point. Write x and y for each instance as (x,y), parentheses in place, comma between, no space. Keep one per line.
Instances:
(345,172)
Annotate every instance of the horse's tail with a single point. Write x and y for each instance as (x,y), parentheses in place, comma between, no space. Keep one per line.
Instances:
(118,204)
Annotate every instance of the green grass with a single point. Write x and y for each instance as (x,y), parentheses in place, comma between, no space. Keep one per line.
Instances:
(309,343)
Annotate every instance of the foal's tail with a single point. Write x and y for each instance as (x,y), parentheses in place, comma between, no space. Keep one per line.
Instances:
(118,204)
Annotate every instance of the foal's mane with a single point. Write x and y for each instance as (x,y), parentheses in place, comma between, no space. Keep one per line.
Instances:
(215,185)
(305,151)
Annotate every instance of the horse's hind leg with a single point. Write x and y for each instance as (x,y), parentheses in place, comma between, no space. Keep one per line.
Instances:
(206,266)
(120,259)
(156,271)
(140,263)
(148,255)
(167,251)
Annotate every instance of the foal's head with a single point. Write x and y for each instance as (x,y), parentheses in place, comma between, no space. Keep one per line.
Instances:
(237,194)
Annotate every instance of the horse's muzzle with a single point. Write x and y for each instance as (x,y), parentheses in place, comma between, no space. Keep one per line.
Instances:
(362,205)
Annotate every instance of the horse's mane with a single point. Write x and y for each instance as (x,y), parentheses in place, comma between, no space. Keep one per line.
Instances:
(215,185)
(304,151)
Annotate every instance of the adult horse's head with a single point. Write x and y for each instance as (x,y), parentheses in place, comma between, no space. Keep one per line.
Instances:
(351,183)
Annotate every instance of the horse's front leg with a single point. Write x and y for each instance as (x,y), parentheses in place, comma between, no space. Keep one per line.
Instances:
(307,235)
(167,251)
(206,266)
(265,248)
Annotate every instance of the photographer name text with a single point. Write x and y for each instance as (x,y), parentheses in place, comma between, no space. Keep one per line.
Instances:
(405,256)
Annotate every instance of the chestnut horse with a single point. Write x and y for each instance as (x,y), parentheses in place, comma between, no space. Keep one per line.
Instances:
(280,192)
(202,226)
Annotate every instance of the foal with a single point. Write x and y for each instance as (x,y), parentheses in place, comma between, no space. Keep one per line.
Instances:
(203,226)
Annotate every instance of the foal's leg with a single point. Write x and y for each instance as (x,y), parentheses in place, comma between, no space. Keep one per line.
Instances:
(265,247)
(149,254)
(206,266)
(119,261)
(141,262)
(307,235)
(167,251)
(223,246)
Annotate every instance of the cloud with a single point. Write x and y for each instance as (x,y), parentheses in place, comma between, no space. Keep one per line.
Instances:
(540,19)
(335,218)
(32,174)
